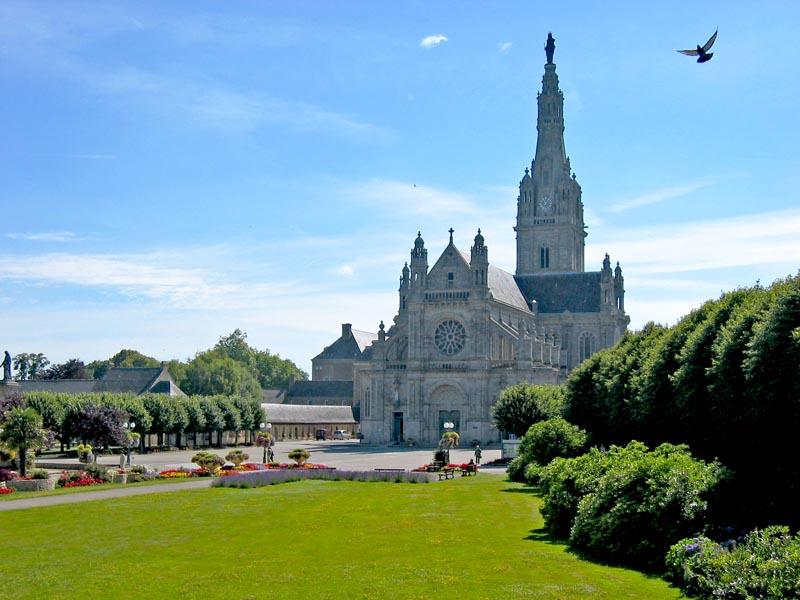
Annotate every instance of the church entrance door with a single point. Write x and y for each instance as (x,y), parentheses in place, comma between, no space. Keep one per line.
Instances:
(397,427)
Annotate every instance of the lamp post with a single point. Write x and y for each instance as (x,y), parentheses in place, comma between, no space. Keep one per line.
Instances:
(266,428)
(129,427)
(448,427)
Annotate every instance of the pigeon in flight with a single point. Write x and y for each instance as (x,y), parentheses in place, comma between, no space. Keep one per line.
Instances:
(702,54)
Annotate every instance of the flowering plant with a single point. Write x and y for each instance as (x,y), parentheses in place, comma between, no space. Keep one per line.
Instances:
(5,490)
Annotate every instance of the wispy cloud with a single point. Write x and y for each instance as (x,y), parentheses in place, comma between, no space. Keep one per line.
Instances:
(410,198)
(346,270)
(504,47)
(47,236)
(756,239)
(432,41)
(660,195)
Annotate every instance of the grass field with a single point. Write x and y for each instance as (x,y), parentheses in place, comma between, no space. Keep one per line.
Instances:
(466,538)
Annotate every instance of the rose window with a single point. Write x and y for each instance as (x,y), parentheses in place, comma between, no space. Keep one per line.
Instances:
(449,337)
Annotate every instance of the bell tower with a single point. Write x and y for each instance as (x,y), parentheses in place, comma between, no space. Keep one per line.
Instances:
(550,229)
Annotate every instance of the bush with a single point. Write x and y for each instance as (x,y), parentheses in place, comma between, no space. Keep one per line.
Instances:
(299,455)
(39,474)
(208,461)
(237,457)
(98,472)
(543,442)
(566,480)
(522,405)
(643,502)
(766,564)
(516,469)
(7,475)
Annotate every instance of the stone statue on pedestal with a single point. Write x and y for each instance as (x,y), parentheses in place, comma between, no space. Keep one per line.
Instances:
(550,48)
(7,367)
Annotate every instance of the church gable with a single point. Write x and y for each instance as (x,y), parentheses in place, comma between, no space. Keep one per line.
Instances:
(450,271)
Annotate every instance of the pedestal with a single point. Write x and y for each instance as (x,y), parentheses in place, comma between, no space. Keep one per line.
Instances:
(9,388)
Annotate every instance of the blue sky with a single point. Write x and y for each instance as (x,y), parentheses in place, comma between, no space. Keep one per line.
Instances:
(174,170)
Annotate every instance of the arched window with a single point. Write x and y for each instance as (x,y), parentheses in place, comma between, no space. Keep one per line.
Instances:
(586,346)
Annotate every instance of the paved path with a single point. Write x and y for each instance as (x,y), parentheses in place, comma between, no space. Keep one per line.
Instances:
(348,455)
(342,455)
(103,494)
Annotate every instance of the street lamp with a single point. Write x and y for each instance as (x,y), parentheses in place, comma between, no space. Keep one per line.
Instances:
(266,428)
(129,427)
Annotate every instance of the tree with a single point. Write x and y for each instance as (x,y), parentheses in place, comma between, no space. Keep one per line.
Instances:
(72,369)
(29,365)
(196,416)
(522,405)
(212,416)
(99,425)
(22,430)
(210,374)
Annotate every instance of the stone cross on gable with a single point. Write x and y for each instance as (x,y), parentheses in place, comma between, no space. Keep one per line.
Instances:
(451,230)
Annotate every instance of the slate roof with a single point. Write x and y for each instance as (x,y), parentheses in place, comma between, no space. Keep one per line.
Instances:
(504,289)
(308,414)
(349,347)
(320,389)
(136,380)
(558,292)
(502,286)
(61,386)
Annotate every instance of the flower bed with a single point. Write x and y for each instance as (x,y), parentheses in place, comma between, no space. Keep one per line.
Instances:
(77,479)
(5,490)
(183,473)
(276,476)
(295,467)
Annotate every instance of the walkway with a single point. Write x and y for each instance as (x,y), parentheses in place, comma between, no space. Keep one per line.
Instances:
(121,492)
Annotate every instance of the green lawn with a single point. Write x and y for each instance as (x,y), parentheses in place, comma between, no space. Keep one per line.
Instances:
(465,538)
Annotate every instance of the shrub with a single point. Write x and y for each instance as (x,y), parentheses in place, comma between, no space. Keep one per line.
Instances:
(516,469)
(449,439)
(39,474)
(208,461)
(643,503)
(766,564)
(299,455)
(98,472)
(4,490)
(566,480)
(543,442)
(7,475)
(83,451)
(237,457)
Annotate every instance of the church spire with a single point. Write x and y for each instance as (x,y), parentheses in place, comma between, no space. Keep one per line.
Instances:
(550,231)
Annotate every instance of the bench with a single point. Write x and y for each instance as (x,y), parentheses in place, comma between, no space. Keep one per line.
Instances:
(436,466)
(469,471)
(391,470)
(446,473)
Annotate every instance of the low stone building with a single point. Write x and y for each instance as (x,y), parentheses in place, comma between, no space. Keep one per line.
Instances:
(118,380)
(301,422)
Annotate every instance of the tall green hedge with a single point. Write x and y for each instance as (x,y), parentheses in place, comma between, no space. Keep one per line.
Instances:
(725,380)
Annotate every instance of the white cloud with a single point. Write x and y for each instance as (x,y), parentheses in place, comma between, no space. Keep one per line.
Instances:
(346,270)
(660,195)
(748,240)
(432,41)
(504,47)
(47,236)
(409,198)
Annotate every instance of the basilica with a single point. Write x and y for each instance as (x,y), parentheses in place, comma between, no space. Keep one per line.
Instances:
(466,329)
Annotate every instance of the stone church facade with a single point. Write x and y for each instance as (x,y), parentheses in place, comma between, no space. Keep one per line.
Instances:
(466,329)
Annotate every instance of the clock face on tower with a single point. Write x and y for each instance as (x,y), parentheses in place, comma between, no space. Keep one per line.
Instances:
(545,205)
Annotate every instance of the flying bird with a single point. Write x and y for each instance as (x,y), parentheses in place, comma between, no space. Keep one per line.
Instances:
(702,54)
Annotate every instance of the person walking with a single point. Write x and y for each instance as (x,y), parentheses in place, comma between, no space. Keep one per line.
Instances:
(478,453)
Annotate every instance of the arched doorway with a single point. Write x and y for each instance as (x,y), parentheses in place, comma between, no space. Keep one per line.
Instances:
(447,405)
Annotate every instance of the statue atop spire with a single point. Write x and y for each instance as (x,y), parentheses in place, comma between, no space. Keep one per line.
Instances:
(550,47)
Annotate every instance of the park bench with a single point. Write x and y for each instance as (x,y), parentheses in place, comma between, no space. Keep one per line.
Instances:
(436,465)
(469,470)
(447,473)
